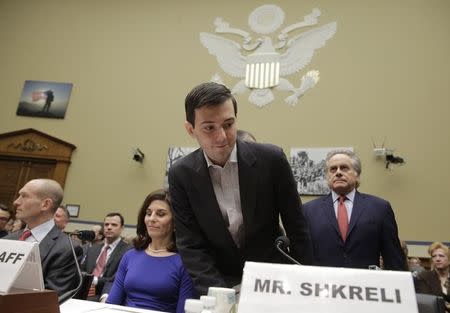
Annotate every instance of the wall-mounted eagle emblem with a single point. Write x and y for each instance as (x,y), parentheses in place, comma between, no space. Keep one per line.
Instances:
(262,64)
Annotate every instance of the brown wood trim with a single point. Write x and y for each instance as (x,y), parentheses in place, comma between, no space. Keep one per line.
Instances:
(32,130)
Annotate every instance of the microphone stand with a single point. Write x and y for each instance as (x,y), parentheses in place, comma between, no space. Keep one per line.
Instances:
(279,244)
(69,294)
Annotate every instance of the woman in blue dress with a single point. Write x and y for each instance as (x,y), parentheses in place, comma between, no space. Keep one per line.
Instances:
(152,275)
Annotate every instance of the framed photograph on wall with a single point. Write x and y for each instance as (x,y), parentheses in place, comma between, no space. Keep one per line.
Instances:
(73,209)
(173,155)
(308,167)
(44,99)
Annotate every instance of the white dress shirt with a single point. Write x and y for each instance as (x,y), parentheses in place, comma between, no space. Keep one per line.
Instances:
(349,200)
(225,181)
(39,232)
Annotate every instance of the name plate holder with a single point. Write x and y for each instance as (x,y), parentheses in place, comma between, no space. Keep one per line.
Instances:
(21,283)
(282,288)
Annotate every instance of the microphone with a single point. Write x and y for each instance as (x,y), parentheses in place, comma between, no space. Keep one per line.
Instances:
(86,235)
(281,243)
(69,294)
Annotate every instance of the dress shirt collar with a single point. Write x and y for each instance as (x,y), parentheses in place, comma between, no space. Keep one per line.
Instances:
(232,159)
(113,245)
(40,231)
(350,196)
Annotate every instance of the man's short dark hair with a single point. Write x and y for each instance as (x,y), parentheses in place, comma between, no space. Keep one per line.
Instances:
(66,212)
(206,94)
(122,221)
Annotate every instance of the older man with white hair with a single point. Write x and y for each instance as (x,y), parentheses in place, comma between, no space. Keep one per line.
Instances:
(349,228)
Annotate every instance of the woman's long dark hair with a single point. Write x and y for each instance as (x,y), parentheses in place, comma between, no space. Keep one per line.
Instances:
(142,239)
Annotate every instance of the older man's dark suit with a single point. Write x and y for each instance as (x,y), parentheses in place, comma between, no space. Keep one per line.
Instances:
(111,266)
(372,232)
(58,263)
(267,189)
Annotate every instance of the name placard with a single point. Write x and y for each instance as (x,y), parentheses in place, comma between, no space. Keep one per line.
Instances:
(281,288)
(20,266)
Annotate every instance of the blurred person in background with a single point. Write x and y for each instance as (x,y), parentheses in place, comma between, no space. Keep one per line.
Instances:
(98,230)
(436,281)
(17,225)
(61,217)
(415,266)
(102,259)
(6,214)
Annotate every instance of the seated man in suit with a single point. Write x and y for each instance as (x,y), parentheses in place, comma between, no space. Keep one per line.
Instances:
(348,228)
(227,196)
(102,259)
(36,204)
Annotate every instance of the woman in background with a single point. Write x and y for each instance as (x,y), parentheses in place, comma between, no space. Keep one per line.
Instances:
(17,225)
(152,275)
(436,281)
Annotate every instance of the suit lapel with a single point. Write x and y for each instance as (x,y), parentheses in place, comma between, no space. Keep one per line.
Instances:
(48,242)
(203,184)
(97,248)
(112,257)
(248,177)
(358,208)
(328,208)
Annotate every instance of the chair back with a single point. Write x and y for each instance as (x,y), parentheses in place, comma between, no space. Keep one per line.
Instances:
(85,286)
(430,303)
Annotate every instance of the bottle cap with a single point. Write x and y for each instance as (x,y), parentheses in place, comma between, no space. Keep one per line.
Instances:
(193,305)
(208,301)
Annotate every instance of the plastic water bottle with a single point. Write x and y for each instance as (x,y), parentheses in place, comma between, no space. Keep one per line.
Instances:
(209,304)
(193,306)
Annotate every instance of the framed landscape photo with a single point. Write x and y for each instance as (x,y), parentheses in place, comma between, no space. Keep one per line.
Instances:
(73,209)
(308,167)
(44,99)
(174,154)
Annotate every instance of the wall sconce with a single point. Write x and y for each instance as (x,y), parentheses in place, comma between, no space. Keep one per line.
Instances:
(389,156)
(138,155)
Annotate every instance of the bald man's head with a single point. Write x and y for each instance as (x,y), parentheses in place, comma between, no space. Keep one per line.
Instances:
(37,201)
(49,188)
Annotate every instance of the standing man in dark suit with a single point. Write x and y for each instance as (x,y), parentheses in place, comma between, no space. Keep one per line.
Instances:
(102,260)
(348,228)
(228,194)
(36,204)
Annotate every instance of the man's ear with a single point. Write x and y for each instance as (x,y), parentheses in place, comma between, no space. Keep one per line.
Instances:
(189,128)
(47,204)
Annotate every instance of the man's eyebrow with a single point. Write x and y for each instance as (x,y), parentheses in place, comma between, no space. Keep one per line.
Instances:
(212,122)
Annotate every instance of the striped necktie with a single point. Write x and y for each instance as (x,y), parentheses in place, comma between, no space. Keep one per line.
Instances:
(98,271)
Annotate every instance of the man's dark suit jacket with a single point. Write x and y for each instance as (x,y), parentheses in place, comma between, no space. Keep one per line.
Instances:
(58,263)
(267,189)
(372,232)
(111,266)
